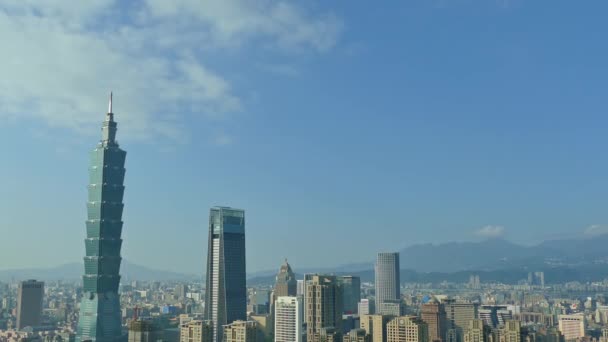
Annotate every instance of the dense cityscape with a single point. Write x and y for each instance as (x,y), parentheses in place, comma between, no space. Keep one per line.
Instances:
(312,307)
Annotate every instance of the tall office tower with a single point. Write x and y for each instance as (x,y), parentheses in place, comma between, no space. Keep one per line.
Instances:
(572,326)
(196,331)
(323,305)
(288,321)
(143,330)
(477,331)
(286,283)
(406,329)
(351,293)
(226,293)
(241,331)
(366,307)
(29,303)
(433,313)
(100,317)
(387,280)
(459,314)
(300,290)
(357,335)
(375,326)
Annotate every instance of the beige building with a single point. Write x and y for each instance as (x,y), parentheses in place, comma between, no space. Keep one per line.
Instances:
(265,326)
(357,335)
(375,326)
(458,315)
(407,329)
(323,305)
(572,326)
(511,332)
(241,331)
(433,314)
(196,331)
(476,331)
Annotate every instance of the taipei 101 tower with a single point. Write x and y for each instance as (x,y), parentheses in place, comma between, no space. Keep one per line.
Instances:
(100,316)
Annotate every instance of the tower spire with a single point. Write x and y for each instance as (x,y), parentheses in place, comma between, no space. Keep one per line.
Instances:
(110,104)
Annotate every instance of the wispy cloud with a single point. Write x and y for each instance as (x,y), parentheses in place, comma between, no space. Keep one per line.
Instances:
(596,229)
(490,231)
(61,58)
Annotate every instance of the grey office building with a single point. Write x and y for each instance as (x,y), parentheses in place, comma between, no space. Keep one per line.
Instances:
(226,292)
(351,293)
(29,304)
(387,280)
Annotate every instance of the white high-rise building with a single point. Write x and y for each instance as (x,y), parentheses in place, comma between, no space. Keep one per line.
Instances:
(572,326)
(366,307)
(288,319)
(387,280)
(300,288)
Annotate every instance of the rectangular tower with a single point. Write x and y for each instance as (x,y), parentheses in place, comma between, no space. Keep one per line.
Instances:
(323,306)
(100,316)
(226,292)
(29,303)
(351,290)
(387,280)
(288,319)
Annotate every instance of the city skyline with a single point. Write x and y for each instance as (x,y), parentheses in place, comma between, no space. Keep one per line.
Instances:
(496,135)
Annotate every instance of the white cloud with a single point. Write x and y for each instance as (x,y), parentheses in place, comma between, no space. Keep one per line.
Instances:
(490,231)
(233,22)
(596,229)
(61,58)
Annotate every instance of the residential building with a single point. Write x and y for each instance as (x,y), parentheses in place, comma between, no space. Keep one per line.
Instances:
(288,320)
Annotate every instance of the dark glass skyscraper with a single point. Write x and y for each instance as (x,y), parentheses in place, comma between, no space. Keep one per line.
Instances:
(226,292)
(100,317)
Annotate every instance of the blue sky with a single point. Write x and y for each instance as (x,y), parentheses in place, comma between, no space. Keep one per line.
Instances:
(341,128)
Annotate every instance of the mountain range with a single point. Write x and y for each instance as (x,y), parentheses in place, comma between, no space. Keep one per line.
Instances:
(495,259)
(74,271)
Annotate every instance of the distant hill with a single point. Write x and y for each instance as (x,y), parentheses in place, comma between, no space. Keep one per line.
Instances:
(496,259)
(498,254)
(493,260)
(73,271)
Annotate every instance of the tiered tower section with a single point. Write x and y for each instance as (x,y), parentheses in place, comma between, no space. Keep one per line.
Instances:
(100,316)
